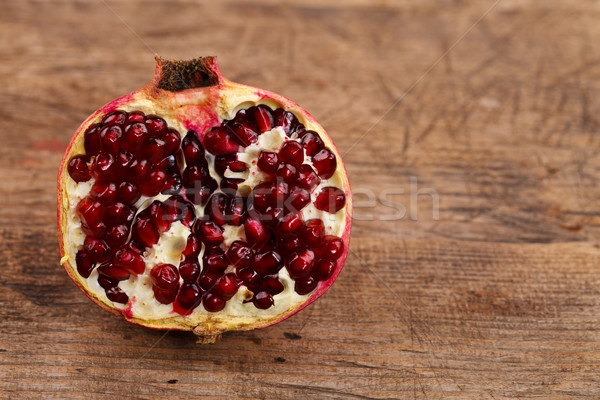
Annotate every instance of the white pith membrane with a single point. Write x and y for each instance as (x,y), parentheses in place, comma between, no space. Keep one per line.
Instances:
(142,305)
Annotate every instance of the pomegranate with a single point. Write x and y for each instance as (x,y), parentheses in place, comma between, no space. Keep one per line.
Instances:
(197,203)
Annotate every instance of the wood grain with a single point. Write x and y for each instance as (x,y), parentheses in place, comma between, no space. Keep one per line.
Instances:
(497,297)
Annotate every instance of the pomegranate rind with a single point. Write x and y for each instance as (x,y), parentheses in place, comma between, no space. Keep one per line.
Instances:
(198,109)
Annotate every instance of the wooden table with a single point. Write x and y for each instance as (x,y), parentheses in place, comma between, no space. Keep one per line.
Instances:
(496,297)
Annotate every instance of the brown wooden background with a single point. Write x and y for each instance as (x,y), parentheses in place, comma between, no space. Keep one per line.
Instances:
(499,298)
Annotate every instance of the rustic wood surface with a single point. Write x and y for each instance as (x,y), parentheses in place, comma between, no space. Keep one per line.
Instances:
(496,298)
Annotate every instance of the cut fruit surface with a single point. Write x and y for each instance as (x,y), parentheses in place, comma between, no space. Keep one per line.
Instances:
(196,203)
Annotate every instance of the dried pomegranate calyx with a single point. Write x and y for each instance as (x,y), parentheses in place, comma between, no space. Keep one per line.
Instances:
(180,75)
(176,186)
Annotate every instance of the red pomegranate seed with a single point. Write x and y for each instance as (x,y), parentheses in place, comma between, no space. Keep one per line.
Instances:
(115,294)
(301,263)
(215,261)
(261,196)
(165,296)
(103,167)
(292,152)
(312,231)
(164,276)
(237,166)
(78,169)
(193,174)
(144,230)
(262,116)
(216,208)
(272,216)
(330,199)
(156,211)
(272,284)
(236,211)
(279,192)
(244,134)
(169,163)
(128,193)
(177,209)
(330,247)
(219,142)
(114,273)
(249,278)
(269,245)
(135,116)
(110,137)
(208,232)
(287,172)
(155,149)
(192,149)
(297,199)
(325,163)
(129,215)
(172,140)
(200,193)
(268,162)
(172,184)
(106,282)
(289,223)
(192,248)
(129,260)
(207,279)
(256,232)
(190,296)
(133,248)
(267,263)
(106,193)
(240,254)
(116,235)
(312,143)
(91,141)
(307,177)
(262,300)
(305,285)
(152,184)
(288,244)
(116,213)
(155,125)
(114,117)
(222,163)
(189,271)
(285,119)
(123,163)
(230,185)
(90,211)
(213,303)
(135,136)
(85,263)
(139,170)
(323,270)
(241,116)
(226,286)
(97,230)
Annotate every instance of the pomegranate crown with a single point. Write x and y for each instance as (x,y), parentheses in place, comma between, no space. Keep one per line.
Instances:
(179,75)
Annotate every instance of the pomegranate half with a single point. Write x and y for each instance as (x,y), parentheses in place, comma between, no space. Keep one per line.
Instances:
(197,203)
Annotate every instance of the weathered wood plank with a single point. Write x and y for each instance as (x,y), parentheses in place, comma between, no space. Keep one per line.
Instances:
(496,296)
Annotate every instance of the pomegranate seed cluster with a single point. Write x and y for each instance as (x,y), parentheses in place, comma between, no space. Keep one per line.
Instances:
(133,158)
